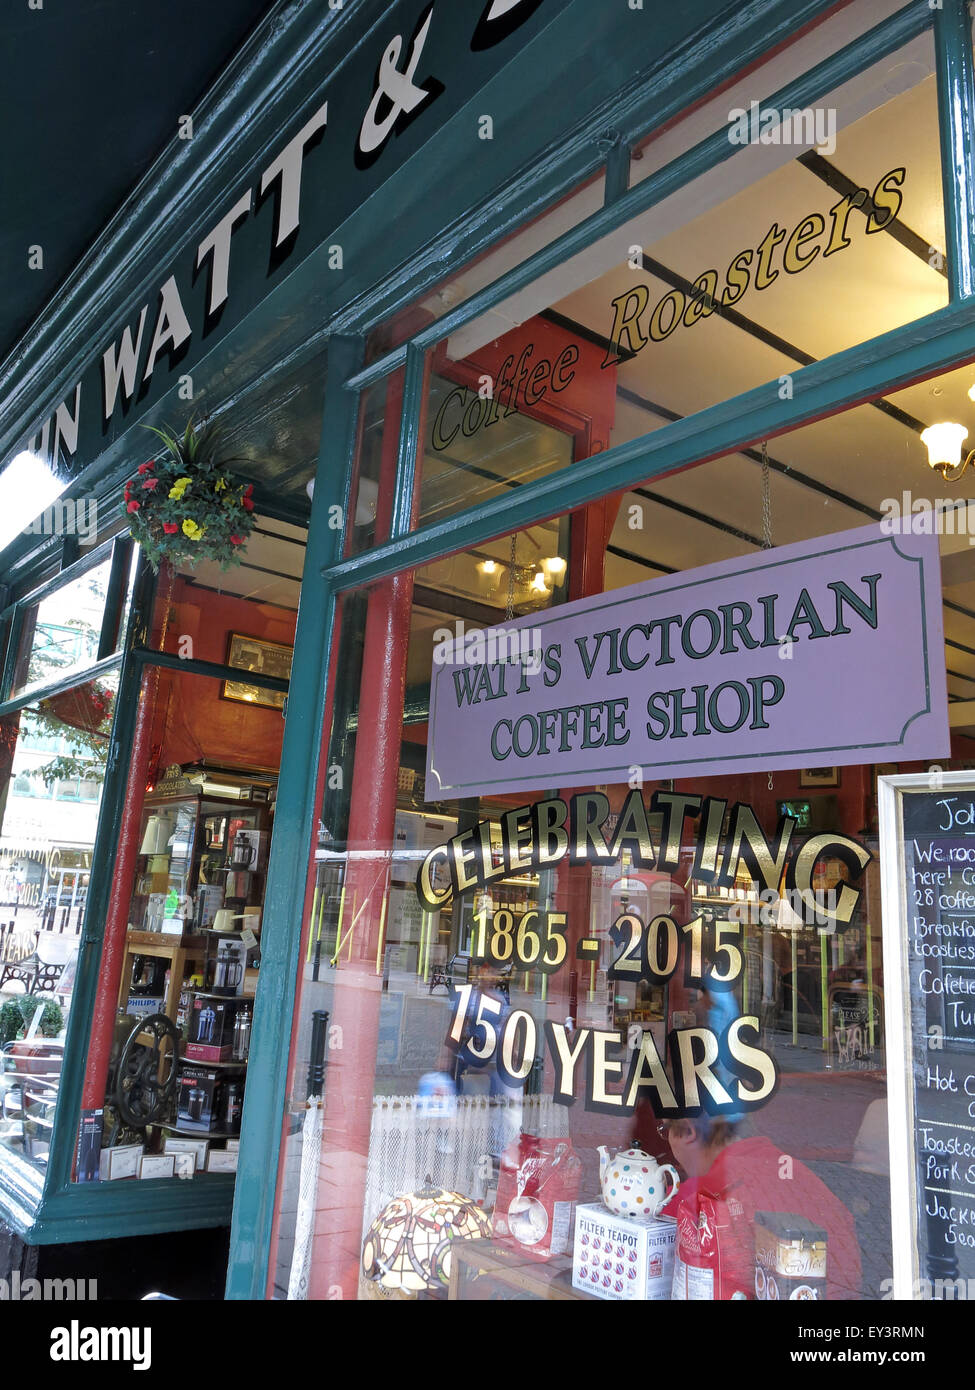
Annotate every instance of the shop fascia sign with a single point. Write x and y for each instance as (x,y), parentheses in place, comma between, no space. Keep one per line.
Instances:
(824,653)
(405,86)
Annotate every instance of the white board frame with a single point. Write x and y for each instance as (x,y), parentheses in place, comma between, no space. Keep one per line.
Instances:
(897,1017)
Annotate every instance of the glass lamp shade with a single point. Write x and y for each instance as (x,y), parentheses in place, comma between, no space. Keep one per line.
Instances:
(407,1247)
(943,442)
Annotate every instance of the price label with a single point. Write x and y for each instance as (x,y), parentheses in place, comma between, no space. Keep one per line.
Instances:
(248,938)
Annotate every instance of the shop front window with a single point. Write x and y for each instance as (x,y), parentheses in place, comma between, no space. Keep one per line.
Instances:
(817,230)
(554,982)
(167,1060)
(61,633)
(51,749)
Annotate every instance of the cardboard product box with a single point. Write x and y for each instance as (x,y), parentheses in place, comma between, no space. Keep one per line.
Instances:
(211,1034)
(195,1149)
(199,1099)
(620,1259)
(222,1161)
(142,1005)
(157,1165)
(120,1162)
(209,900)
(88,1150)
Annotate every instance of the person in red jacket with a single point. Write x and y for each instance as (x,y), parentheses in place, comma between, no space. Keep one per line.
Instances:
(729,1179)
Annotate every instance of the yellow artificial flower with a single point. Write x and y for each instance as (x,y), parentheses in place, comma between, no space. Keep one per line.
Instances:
(191,529)
(220,485)
(179,487)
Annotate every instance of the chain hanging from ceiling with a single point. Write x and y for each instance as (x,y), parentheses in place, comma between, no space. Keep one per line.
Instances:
(509,611)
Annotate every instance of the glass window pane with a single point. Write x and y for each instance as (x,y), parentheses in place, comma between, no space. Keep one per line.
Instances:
(47,835)
(60,634)
(183,925)
(825,228)
(456,1001)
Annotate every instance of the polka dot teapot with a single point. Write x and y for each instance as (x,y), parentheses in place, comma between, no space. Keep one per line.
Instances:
(635,1184)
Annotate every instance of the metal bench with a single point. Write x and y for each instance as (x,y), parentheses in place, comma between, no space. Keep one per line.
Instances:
(39,970)
(458,970)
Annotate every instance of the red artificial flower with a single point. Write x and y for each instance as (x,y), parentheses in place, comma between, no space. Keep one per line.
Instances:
(236,540)
(248,503)
(248,490)
(128,490)
(170,527)
(150,485)
(132,507)
(147,467)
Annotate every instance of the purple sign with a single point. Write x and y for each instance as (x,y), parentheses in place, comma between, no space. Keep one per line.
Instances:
(818,654)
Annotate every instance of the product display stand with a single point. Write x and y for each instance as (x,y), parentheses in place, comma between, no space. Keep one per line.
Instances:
(179,951)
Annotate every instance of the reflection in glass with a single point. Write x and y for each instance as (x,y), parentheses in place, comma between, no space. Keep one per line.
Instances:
(52,769)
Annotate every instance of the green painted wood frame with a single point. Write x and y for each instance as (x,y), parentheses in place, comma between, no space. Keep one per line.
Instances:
(931,345)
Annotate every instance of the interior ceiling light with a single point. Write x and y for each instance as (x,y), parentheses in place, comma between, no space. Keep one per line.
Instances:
(554,567)
(943,442)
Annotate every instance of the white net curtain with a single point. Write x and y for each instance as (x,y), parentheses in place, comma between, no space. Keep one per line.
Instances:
(409,1145)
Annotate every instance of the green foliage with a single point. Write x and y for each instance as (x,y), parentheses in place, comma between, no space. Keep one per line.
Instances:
(52,1019)
(16,1014)
(84,749)
(186,506)
(11,1021)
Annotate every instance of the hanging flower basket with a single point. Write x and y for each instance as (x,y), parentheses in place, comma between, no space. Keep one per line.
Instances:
(186,506)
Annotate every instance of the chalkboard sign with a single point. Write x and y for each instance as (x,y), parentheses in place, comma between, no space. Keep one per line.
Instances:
(927,843)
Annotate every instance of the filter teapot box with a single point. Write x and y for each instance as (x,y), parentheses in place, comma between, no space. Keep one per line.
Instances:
(620,1259)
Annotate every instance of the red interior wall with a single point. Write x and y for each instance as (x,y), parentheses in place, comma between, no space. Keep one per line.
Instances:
(191,720)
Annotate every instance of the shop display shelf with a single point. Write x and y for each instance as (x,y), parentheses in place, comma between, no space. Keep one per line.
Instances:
(197,1133)
(231,1062)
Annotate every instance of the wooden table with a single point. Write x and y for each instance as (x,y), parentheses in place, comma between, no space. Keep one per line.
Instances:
(487,1269)
(178,950)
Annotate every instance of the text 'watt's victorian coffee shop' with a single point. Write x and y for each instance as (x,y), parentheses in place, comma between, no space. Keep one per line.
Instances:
(488,785)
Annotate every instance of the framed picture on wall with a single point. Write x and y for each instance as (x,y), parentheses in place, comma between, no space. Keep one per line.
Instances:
(261,658)
(819,777)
